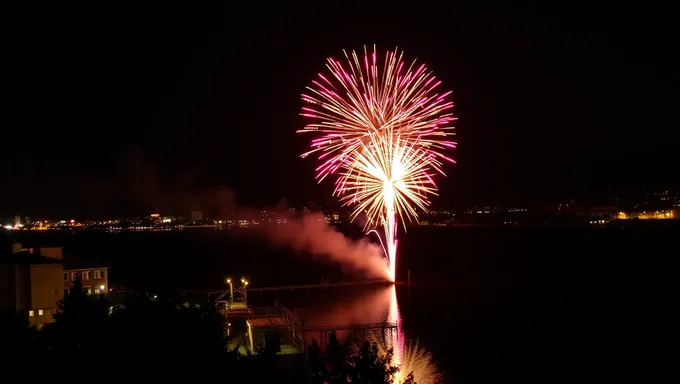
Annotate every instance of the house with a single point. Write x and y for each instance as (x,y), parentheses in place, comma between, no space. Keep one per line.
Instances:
(93,277)
(31,283)
(33,280)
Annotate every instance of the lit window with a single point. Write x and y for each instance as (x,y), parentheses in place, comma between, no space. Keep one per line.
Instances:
(40,312)
(86,275)
(31,313)
(88,290)
(96,290)
(74,276)
(96,274)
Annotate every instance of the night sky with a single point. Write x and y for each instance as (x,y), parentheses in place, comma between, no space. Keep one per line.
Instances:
(116,109)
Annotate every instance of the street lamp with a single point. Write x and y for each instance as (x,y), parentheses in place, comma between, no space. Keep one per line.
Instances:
(231,289)
(245,290)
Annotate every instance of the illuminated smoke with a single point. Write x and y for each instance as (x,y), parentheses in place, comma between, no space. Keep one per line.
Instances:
(312,234)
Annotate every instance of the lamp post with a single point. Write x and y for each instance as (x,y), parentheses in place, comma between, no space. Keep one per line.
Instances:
(245,290)
(231,289)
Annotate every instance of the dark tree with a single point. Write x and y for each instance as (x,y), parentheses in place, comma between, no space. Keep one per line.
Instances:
(342,363)
(80,323)
(18,337)
(162,330)
(316,364)
(370,367)
(410,379)
(337,355)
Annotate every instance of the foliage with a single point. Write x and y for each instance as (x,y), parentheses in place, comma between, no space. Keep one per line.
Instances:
(80,322)
(160,337)
(343,362)
(150,335)
(18,338)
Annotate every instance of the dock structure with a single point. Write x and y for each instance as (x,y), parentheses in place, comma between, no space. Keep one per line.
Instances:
(359,332)
(277,328)
(283,331)
(321,285)
(222,293)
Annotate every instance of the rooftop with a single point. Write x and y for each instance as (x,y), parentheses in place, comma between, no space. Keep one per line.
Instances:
(26,258)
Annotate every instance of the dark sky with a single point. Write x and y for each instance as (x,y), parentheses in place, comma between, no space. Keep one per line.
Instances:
(114,109)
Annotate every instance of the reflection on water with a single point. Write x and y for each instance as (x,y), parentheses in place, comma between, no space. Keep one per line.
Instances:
(409,355)
(379,306)
(397,342)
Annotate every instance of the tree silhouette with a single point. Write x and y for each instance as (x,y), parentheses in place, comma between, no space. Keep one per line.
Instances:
(316,364)
(342,363)
(161,329)
(410,379)
(160,337)
(80,322)
(18,337)
(370,367)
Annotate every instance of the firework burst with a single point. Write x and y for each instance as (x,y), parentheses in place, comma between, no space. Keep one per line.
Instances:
(387,171)
(383,130)
(360,98)
(414,359)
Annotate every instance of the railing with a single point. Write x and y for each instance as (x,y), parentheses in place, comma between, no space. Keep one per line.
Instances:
(296,329)
(349,327)
(294,325)
(295,287)
(264,312)
(290,317)
(322,285)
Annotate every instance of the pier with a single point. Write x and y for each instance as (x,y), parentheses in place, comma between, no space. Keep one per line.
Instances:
(321,285)
(281,330)
(284,332)
(299,287)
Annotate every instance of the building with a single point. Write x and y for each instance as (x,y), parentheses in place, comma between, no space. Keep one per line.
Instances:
(648,215)
(155,218)
(31,283)
(94,278)
(196,215)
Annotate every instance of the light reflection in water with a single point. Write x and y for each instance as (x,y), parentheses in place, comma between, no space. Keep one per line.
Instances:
(378,306)
(395,317)
(409,357)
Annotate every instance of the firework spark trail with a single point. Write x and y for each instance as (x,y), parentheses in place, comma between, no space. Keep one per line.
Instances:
(364,99)
(383,130)
(387,177)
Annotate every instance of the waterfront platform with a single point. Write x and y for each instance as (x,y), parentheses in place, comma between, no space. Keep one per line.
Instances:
(223,292)
(276,328)
(282,330)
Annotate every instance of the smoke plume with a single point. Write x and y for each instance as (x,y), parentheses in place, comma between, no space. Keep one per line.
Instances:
(312,234)
(140,186)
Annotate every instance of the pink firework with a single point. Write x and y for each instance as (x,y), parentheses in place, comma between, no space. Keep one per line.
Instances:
(383,130)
